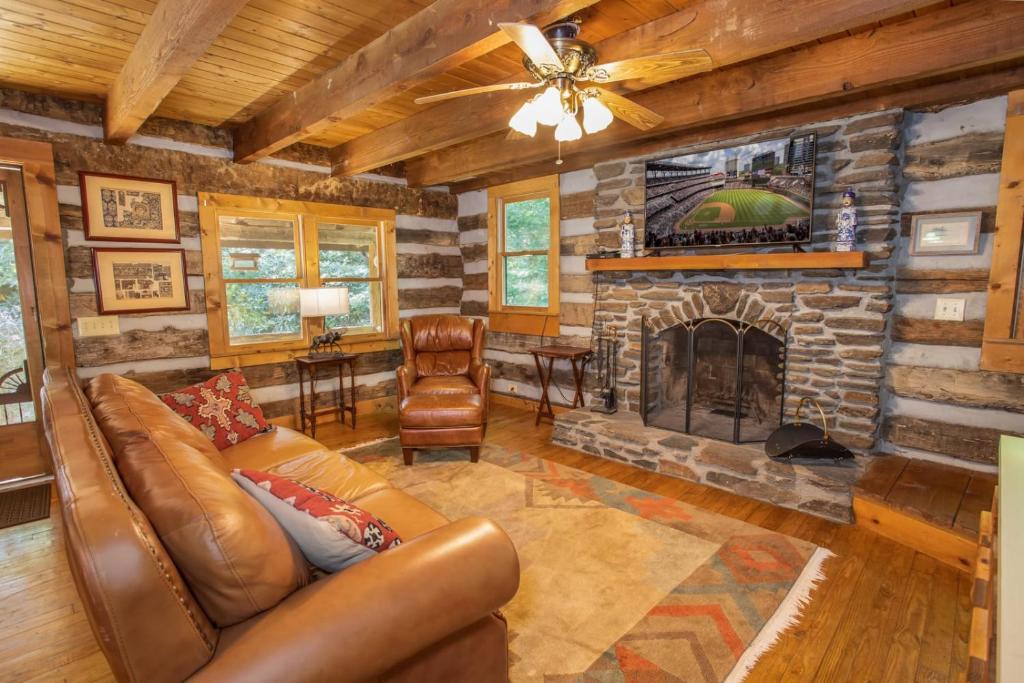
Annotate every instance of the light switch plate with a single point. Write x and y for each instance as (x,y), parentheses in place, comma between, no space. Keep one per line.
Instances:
(99,326)
(950,309)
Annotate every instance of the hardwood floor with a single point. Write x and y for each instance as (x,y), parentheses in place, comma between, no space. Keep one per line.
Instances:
(884,612)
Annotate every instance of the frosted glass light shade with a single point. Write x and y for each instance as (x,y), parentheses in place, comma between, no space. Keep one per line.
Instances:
(596,116)
(568,129)
(548,107)
(525,120)
(315,303)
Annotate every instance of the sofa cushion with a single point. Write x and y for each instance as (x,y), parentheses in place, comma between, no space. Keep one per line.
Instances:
(331,532)
(265,451)
(111,396)
(450,384)
(232,553)
(406,515)
(332,472)
(222,408)
(432,411)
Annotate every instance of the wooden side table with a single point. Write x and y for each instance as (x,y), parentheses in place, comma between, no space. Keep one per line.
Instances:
(579,356)
(312,368)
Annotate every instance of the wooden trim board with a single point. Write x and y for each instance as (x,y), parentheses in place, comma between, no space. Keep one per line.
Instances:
(944,545)
(777,261)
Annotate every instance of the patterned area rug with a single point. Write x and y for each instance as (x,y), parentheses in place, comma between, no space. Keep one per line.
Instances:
(618,584)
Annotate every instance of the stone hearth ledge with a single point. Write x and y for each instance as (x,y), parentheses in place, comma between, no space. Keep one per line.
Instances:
(744,469)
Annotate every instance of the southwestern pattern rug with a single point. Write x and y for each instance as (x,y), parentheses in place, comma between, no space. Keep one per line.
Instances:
(618,584)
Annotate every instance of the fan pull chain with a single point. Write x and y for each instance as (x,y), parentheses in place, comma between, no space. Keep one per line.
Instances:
(558,161)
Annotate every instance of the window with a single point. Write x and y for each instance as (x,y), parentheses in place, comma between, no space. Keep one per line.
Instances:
(258,253)
(523,256)
(1002,347)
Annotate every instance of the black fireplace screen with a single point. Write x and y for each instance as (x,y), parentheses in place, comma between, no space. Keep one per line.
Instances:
(713,377)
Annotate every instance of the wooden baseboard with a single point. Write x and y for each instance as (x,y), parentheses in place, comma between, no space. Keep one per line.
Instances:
(524,403)
(365,407)
(942,544)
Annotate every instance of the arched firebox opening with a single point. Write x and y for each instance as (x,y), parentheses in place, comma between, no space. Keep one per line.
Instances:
(714,377)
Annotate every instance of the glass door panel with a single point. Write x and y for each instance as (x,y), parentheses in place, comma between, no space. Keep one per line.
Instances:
(20,349)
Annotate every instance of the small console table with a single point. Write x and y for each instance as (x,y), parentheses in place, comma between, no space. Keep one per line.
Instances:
(579,356)
(312,367)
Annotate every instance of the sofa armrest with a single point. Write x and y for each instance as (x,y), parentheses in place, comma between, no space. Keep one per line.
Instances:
(363,621)
(406,378)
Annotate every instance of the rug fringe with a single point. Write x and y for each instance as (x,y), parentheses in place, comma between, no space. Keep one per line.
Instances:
(367,443)
(786,616)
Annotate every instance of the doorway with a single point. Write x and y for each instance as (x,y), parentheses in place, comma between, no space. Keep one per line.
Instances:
(23,459)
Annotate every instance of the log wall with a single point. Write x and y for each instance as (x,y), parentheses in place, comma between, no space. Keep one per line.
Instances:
(514,371)
(939,404)
(165,351)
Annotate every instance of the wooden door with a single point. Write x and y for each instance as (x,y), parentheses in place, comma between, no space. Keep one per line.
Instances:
(22,456)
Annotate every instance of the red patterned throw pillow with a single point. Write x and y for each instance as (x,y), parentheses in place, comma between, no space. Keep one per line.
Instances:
(331,533)
(222,408)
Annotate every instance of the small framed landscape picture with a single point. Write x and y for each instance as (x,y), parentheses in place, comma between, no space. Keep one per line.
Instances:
(126,209)
(140,280)
(945,233)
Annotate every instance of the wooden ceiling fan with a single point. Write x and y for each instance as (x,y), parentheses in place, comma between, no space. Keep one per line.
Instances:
(568,70)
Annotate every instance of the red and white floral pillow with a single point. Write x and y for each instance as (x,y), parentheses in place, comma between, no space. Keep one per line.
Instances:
(331,533)
(222,408)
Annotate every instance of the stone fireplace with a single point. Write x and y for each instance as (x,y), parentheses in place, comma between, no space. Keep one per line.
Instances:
(715,377)
(709,363)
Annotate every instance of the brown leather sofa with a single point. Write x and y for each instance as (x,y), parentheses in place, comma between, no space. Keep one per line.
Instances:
(424,611)
(443,385)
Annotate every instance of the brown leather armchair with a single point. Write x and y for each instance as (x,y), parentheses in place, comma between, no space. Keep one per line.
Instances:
(443,385)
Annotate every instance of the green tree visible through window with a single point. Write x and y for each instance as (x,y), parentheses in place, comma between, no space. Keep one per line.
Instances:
(526,242)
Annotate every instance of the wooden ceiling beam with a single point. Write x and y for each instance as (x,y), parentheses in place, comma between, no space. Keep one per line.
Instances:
(731,32)
(949,41)
(979,83)
(444,35)
(176,35)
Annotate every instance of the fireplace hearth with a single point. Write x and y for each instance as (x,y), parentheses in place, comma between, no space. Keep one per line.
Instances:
(718,378)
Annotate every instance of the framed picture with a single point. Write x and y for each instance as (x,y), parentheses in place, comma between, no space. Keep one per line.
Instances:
(119,208)
(140,280)
(945,233)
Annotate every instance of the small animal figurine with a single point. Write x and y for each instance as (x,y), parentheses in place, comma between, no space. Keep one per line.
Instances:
(326,344)
(846,223)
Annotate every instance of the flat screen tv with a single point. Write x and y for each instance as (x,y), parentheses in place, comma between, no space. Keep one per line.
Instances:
(756,194)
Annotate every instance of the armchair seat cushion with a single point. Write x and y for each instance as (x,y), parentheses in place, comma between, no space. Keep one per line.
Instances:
(441,411)
(443,384)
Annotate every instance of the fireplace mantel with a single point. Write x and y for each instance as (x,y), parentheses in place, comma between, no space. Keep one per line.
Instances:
(832,260)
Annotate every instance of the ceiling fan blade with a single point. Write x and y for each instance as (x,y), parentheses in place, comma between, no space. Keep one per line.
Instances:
(629,111)
(662,68)
(531,41)
(429,99)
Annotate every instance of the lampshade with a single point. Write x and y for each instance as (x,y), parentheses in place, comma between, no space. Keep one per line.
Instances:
(314,303)
(548,107)
(568,129)
(596,116)
(525,120)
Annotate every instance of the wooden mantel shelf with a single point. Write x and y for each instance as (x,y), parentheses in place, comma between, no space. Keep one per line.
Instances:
(776,261)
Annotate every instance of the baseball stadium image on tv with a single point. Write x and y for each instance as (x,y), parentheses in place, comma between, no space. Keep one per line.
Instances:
(755,194)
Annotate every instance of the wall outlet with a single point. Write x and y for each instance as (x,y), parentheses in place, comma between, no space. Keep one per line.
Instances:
(99,326)
(950,309)
(513,389)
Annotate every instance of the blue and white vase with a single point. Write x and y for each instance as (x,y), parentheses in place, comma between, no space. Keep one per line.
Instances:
(846,223)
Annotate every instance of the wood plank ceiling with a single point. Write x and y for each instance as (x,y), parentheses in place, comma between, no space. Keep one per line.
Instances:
(271,48)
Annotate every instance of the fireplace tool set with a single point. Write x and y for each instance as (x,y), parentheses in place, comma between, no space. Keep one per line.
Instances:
(607,369)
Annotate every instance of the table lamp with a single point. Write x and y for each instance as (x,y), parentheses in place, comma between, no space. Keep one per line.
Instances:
(319,303)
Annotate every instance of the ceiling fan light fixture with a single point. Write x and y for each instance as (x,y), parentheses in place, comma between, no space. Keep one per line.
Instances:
(596,116)
(568,129)
(548,107)
(525,119)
